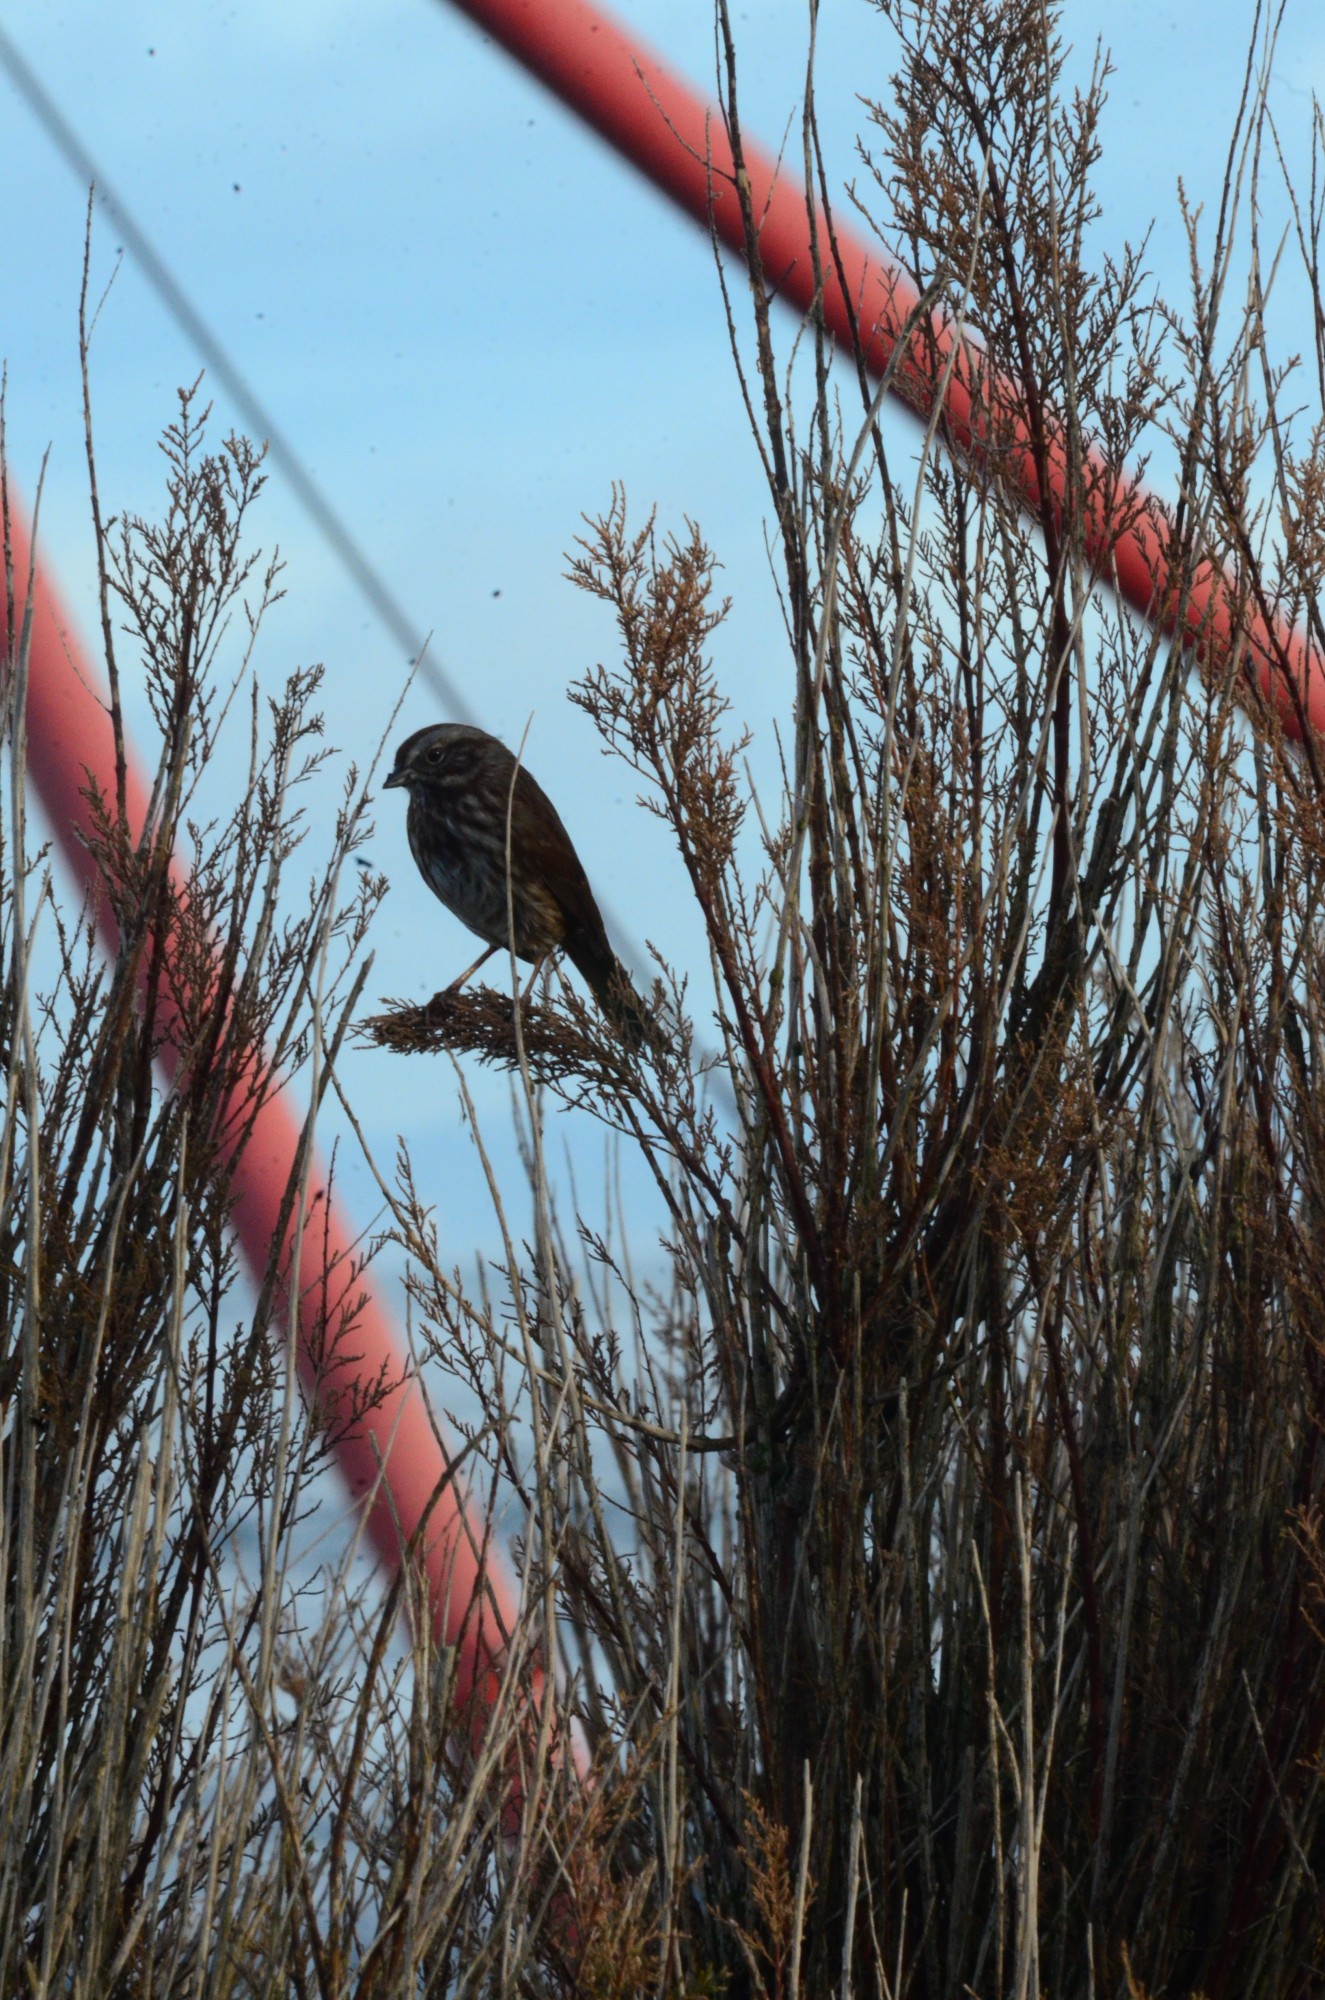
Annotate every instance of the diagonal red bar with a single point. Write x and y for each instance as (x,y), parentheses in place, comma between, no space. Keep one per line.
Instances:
(389,1452)
(671,134)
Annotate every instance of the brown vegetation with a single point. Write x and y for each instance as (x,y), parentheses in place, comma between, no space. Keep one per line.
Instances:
(936,1563)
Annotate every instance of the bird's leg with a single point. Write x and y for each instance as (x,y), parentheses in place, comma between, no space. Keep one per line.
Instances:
(529,986)
(482,959)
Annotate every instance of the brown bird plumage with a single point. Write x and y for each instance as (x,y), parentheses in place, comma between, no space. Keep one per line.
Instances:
(462,785)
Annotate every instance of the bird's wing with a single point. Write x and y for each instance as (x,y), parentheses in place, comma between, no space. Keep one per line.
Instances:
(550,853)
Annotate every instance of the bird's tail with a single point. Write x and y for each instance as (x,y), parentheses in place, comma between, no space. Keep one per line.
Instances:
(613,989)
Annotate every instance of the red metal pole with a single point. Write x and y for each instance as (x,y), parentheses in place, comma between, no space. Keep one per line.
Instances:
(657,121)
(390,1455)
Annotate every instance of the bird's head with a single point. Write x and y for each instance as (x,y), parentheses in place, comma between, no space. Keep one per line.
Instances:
(432,753)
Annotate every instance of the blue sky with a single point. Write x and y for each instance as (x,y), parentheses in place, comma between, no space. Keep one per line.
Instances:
(470,319)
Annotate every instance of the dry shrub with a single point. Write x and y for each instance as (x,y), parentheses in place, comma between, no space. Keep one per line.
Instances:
(933,1558)
(943,1540)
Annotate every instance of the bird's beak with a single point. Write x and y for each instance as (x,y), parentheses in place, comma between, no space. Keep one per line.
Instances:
(395,778)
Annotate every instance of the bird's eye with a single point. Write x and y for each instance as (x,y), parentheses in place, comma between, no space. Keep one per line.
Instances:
(435,754)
